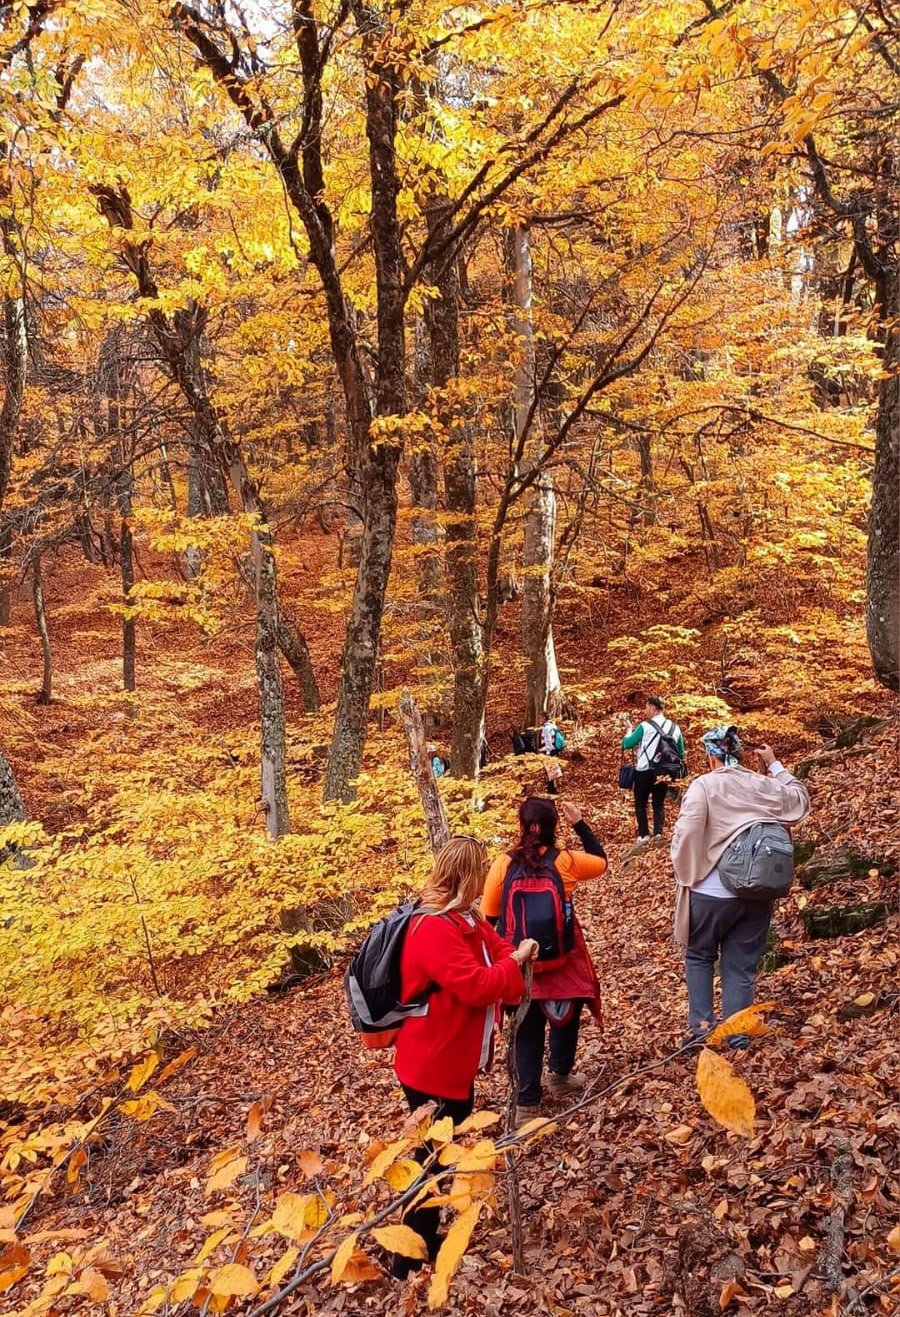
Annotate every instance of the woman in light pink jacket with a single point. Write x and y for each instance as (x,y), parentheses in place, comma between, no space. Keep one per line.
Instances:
(711,923)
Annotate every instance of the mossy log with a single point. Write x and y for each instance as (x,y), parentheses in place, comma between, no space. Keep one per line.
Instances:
(839,920)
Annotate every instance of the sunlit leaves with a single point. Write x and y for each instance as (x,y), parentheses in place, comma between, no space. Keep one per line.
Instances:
(450,1255)
(724,1094)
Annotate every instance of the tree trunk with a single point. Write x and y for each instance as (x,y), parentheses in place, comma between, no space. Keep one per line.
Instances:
(379,462)
(883,574)
(126,568)
(423,468)
(543,688)
(364,625)
(15,365)
(458,467)
(295,652)
(37,592)
(420,763)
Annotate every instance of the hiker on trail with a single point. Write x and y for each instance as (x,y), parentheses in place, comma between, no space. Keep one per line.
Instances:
(529,893)
(451,949)
(551,740)
(719,810)
(656,741)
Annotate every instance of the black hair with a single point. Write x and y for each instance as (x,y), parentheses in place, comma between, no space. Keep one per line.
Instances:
(656,702)
(538,819)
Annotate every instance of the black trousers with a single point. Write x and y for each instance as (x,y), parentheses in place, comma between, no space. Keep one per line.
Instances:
(647,787)
(426,1221)
(530,1050)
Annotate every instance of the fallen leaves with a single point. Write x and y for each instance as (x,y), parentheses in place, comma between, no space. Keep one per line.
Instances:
(450,1255)
(747,1023)
(401,1239)
(681,1135)
(724,1094)
(226,1167)
(233,1281)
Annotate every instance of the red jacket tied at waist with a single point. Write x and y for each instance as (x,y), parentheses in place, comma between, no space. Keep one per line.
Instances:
(439,1052)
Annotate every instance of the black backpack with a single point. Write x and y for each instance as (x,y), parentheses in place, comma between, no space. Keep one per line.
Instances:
(663,755)
(533,904)
(372,983)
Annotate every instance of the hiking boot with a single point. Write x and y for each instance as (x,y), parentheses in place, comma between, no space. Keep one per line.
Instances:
(565,1085)
(525,1114)
(738,1042)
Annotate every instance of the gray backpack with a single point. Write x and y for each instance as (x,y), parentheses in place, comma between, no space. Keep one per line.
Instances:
(759,864)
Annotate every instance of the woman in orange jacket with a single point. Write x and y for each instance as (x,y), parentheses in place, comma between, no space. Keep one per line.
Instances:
(564,983)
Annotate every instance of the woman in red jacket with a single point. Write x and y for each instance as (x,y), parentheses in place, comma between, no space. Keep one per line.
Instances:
(452,949)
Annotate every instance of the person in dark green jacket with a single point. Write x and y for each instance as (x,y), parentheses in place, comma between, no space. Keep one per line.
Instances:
(644,740)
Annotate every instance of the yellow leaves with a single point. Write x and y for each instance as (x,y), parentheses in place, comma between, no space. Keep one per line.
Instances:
(401,1239)
(233,1281)
(296,1215)
(401,1174)
(389,1154)
(343,1254)
(450,1255)
(213,1242)
(724,1094)
(94,1284)
(284,1264)
(479,1120)
(145,1106)
(745,1022)
(224,1169)
(142,1072)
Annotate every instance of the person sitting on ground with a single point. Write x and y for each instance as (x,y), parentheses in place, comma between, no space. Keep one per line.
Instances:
(452,949)
(648,785)
(560,990)
(711,923)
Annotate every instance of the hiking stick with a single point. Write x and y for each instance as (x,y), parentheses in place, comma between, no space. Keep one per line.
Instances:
(512,1173)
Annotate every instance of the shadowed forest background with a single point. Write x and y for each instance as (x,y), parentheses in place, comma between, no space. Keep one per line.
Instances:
(530,357)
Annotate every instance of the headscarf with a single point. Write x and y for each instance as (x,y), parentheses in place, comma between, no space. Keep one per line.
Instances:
(725,744)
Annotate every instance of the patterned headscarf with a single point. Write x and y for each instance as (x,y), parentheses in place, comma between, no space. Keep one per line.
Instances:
(725,744)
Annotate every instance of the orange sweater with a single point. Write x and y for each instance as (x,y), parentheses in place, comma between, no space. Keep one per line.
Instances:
(573,867)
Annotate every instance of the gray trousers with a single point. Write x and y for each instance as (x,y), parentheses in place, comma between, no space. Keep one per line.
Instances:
(733,932)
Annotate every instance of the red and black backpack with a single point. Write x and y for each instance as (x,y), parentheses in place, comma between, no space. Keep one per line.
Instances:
(533,904)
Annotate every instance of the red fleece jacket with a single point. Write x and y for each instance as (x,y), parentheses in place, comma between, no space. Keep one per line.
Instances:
(438,1053)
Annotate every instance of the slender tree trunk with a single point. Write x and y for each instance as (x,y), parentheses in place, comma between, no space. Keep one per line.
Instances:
(380,462)
(423,468)
(37,593)
(295,652)
(15,365)
(883,574)
(458,467)
(543,687)
(364,626)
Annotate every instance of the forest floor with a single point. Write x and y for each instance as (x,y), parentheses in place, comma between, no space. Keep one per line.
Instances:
(631,1204)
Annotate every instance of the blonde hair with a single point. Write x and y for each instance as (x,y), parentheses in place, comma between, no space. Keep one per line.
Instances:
(458,878)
